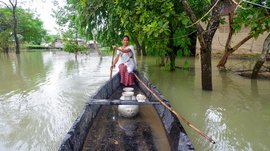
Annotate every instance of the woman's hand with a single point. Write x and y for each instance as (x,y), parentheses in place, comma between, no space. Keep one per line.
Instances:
(112,67)
(114,47)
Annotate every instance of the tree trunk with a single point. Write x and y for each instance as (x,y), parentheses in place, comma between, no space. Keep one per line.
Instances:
(206,68)
(171,50)
(15,30)
(223,60)
(260,62)
(228,49)
(162,61)
(6,49)
(193,41)
(138,46)
(143,49)
(96,48)
(76,55)
(205,38)
(172,61)
(231,31)
(241,43)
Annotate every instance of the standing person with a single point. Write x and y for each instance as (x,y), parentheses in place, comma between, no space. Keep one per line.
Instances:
(127,62)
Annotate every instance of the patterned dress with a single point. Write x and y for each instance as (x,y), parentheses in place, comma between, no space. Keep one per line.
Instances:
(127,65)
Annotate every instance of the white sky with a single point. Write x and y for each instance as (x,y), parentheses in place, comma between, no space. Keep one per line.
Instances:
(44,9)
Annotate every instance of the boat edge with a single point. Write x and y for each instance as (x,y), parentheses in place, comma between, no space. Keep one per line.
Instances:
(176,133)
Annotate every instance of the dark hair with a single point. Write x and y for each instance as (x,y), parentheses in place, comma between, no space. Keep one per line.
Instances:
(126,37)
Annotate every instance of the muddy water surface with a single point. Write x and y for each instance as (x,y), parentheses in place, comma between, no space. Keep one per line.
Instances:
(42,93)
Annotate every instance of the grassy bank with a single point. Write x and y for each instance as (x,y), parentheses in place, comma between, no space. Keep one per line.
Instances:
(238,55)
(27,46)
(37,47)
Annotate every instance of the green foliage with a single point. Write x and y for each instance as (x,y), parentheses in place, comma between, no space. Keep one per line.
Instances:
(160,24)
(98,20)
(71,44)
(200,7)
(255,18)
(66,18)
(105,51)
(186,65)
(5,40)
(34,46)
(222,20)
(73,47)
(30,28)
(48,38)
(5,30)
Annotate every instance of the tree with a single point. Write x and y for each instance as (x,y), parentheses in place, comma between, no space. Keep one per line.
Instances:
(154,24)
(129,18)
(71,43)
(163,21)
(73,47)
(5,31)
(13,7)
(30,29)
(255,18)
(158,24)
(100,17)
(261,60)
(48,38)
(205,38)
(66,18)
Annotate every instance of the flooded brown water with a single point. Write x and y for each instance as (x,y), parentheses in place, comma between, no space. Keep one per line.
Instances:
(235,114)
(42,93)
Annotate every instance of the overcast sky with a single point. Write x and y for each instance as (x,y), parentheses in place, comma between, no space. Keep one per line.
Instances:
(44,9)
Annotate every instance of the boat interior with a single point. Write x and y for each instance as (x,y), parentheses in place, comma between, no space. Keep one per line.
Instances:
(111,131)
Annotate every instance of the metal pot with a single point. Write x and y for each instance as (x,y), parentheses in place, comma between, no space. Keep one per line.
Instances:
(128,110)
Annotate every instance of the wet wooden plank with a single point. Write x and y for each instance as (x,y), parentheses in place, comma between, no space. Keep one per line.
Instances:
(113,132)
(120,102)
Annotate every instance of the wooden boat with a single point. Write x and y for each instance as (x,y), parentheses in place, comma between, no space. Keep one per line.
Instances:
(100,127)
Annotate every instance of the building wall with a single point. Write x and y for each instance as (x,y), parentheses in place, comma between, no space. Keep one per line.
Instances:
(58,44)
(251,46)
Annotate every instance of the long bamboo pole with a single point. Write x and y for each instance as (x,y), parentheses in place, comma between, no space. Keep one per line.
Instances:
(112,64)
(175,113)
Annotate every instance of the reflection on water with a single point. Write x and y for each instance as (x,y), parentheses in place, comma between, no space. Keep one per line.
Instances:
(42,93)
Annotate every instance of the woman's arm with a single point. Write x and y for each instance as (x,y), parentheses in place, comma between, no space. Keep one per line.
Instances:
(122,50)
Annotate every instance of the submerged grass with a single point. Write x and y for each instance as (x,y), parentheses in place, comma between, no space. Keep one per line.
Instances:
(237,55)
(106,51)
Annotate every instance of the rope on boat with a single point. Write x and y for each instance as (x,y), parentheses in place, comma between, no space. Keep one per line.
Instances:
(175,113)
